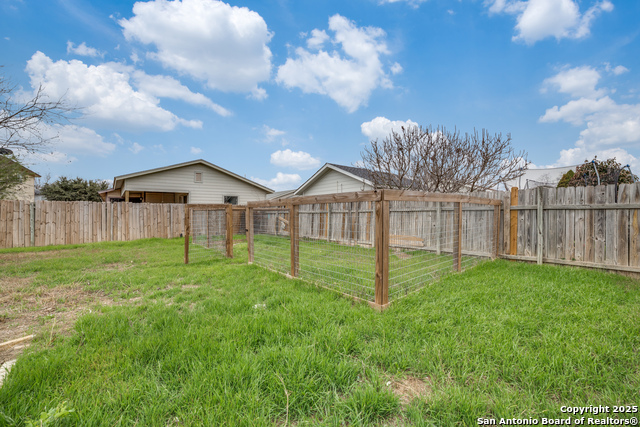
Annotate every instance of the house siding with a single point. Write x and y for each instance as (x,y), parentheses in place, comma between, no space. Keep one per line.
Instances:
(335,182)
(25,191)
(214,186)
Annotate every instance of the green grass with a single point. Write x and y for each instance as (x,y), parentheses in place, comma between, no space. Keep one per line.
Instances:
(501,340)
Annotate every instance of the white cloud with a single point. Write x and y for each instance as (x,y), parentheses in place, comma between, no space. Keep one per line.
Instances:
(168,87)
(294,159)
(347,76)
(67,142)
(195,150)
(414,3)
(577,82)
(380,127)
(224,45)
(136,148)
(539,19)
(616,71)
(56,157)
(81,140)
(105,94)
(271,134)
(396,68)
(282,181)
(611,129)
(317,39)
(83,50)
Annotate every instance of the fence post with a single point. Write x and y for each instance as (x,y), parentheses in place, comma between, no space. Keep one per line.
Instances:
(229,231)
(513,233)
(457,235)
(540,228)
(294,237)
(382,251)
(438,227)
(249,222)
(328,222)
(187,230)
(32,222)
(496,231)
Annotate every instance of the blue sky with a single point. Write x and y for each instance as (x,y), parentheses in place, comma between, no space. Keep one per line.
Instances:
(273,89)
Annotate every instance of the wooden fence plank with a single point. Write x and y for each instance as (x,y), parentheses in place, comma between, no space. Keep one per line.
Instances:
(589,225)
(560,225)
(599,225)
(634,227)
(611,229)
(579,225)
(622,245)
(570,218)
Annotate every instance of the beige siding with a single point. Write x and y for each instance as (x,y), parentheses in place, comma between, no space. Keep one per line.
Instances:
(214,186)
(25,191)
(335,182)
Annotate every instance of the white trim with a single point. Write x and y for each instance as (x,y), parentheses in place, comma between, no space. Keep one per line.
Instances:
(321,172)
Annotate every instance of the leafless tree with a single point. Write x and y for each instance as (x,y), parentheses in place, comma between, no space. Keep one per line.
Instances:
(22,121)
(418,158)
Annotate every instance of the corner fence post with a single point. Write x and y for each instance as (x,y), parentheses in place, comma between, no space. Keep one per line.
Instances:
(229,224)
(249,223)
(457,235)
(382,251)
(187,230)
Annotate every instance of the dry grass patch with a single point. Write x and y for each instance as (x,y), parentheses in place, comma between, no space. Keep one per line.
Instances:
(25,310)
(408,388)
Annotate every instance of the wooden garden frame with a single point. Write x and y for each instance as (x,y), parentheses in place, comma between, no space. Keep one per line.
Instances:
(381,199)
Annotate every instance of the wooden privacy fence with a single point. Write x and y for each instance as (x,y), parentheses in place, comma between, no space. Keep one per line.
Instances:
(583,226)
(375,246)
(63,223)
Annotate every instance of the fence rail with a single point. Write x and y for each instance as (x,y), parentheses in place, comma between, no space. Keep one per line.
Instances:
(64,223)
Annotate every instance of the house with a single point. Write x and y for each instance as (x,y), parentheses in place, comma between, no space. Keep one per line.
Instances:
(539,177)
(332,178)
(25,190)
(197,181)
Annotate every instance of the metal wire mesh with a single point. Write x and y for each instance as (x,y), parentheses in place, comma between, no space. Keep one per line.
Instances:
(239,226)
(271,238)
(336,247)
(423,238)
(208,234)
(336,243)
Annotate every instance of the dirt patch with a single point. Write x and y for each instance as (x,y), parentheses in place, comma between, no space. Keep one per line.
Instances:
(409,388)
(22,256)
(25,310)
(190,286)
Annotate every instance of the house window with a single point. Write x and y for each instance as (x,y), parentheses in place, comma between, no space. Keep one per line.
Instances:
(231,199)
(197,177)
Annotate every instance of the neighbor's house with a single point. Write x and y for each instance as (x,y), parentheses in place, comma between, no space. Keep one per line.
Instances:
(26,190)
(197,181)
(332,178)
(548,177)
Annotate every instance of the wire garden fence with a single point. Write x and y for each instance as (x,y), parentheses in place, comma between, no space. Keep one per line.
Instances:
(375,246)
(212,230)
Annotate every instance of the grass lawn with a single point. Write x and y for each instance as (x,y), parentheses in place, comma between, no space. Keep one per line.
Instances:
(127,334)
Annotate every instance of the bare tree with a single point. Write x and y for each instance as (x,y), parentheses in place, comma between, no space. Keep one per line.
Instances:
(418,158)
(22,121)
